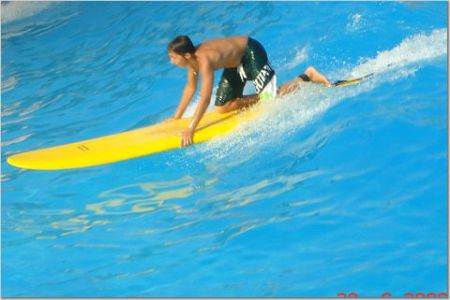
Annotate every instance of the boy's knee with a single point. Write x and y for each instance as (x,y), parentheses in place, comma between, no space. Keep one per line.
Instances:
(227,107)
(221,109)
(310,70)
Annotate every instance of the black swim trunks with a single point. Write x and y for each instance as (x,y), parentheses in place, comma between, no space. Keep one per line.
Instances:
(304,77)
(254,66)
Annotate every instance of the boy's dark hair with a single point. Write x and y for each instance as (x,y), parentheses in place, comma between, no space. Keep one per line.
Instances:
(182,44)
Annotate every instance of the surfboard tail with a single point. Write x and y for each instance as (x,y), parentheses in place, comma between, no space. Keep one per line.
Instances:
(341,83)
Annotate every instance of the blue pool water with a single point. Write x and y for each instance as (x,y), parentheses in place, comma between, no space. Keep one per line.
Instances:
(331,191)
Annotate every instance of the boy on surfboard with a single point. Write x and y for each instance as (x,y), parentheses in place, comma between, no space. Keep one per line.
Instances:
(242,59)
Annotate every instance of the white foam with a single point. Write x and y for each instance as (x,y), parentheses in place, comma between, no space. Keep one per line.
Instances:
(301,55)
(286,114)
(13,11)
(355,23)
(413,50)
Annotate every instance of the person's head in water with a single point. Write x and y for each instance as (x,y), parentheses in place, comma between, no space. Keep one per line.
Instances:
(180,50)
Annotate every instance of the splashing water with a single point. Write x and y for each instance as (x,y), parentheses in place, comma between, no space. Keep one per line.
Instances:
(413,50)
(290,113)
(301,55)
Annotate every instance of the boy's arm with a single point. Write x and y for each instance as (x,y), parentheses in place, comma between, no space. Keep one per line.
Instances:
(205,97)
(188,93)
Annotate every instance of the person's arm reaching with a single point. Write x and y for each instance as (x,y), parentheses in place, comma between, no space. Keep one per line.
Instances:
(207,73)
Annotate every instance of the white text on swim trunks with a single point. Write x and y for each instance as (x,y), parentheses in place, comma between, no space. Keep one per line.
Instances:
(262,78)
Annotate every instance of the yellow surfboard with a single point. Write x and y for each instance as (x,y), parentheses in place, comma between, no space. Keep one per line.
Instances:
(138,142)
(129,144)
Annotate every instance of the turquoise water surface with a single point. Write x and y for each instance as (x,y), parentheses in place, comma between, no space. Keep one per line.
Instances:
(330,191)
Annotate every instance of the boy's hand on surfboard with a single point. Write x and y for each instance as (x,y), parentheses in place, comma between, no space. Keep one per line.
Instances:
(187,137)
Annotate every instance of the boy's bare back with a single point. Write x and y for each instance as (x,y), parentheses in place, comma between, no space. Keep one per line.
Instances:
(224,52)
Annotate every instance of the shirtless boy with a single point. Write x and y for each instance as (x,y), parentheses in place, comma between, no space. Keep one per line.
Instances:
(242,59)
